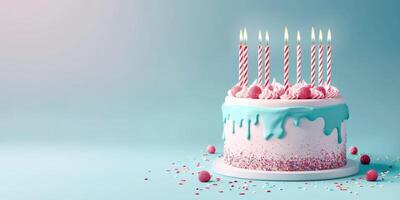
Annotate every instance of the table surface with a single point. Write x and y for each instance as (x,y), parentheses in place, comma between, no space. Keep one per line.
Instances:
(82,171)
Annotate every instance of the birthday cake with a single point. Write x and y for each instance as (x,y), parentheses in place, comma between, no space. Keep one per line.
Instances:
(282,127)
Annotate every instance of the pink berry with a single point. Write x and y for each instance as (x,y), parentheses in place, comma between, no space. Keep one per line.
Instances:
(371,175)
(321,89)
(353,150)
(254,92)
(304,93)
(235,89)
(204,176)
(211,149)
(365,159)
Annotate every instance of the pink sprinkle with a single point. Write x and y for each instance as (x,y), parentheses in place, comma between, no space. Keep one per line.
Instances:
(218,179)
(371,175)
(211,149)
(204,176)
(242,193)
(353,150)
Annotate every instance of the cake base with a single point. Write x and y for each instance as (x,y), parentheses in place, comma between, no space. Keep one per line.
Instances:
(349,169)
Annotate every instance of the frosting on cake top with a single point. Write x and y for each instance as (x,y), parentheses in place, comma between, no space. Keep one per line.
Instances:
(276,90)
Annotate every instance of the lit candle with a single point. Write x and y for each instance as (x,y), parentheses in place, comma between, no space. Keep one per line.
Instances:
(320,59)
(260,67)
(298,58)
(245,61)
(328,59)
(241,82)
(266,59)
(312,57)
(286,60)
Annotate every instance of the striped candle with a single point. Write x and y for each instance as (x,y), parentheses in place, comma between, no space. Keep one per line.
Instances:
(245,61)
(260,67)
(320,59)
(298,58)
(312,57)
(267,71)
(328,59)
(241,82)
(286,61)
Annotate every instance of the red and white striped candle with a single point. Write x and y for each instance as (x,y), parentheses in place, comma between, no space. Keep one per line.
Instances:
(298,58)
(286,61)
(260,66)
(312,57)
(245,61)
(328,58)
(267,71)
(241,82)
(320,59)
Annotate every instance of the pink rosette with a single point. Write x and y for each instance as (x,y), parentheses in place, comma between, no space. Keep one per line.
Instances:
(243,93)
(316,94)
(331,91)
(277,87)
(295,91)
(234,90)
(290,94)
(269,93)
(272,91)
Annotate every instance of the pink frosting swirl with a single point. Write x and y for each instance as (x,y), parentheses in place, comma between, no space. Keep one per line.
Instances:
(294,91)
(316,94)
(272,91)
(331,91)
(269,94)
(275,90)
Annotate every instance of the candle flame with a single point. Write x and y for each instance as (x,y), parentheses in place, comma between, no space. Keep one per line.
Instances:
(298,37)
(259,36)
(286,35)
(245,35)
(267,37)
(329,37)
(241,36)
(312,35)
(320,36)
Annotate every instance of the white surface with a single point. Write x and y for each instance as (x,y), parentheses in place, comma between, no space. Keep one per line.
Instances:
(351,168)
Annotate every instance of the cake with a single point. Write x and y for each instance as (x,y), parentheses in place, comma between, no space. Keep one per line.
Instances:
(276,127)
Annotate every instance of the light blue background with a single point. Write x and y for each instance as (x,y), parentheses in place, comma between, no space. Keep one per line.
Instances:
(150,76)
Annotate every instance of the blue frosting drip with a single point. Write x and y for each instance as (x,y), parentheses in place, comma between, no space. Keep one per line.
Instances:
(274,119)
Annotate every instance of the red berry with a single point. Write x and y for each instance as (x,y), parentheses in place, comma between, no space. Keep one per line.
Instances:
(371,175)
(254,92)
(204,176)
(211,149)
(321,89)
(235,90)
(365,159)
(353,150)
(304,93)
